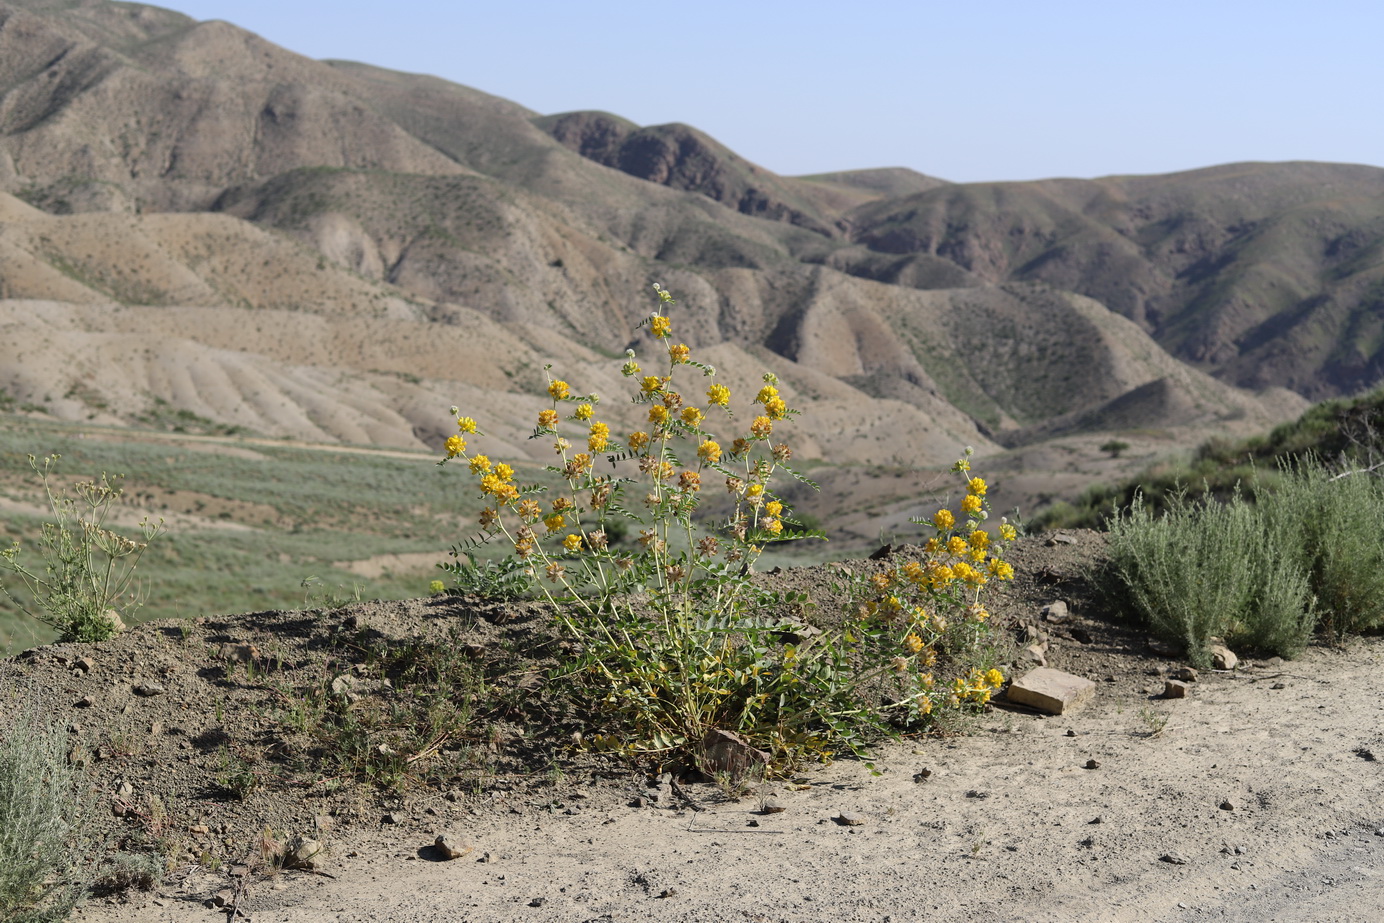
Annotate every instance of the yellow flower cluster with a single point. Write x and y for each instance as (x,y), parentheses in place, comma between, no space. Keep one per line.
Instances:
(455,446)
(599,437)
(719,395)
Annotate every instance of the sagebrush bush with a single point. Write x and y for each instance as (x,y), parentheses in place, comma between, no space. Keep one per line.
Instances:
(675,642)
(40,823)
(1265,575)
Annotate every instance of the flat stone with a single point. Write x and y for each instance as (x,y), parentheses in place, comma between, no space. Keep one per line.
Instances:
(148,690)
(1034,655)
(850,819)
(1051,691)
(1056,612)
(452,846)
(1186,674)
(1174,689)
(303,853)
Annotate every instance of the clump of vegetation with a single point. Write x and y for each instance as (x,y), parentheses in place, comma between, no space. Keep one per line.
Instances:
(40,823)
(87,568)
(676,644)
(1266,575)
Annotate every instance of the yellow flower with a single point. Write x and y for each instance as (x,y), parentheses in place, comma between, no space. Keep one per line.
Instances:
(956,545)
(572,542)
(690,480)
(583,412)
(773,508)
(970,503)
(547,419)
(718,395)
(600,435)
(766,394)
(558,390)
(679,354)
(437,586)
(976,486)
(480,464)
(775,408)
(658,415)
(925,706)
(913,643)
(754,490)
(504,472)
(660,326)
(455,446)
(761,427)
(980,539)
(638,441)
(943,519)
(1008,532)
(963,465)
(692,417)
(651,384)
(773,525)
(709,452)
(994,678)
(466,424)
(1001,570)
(555,522)
(932,546)
(529,510)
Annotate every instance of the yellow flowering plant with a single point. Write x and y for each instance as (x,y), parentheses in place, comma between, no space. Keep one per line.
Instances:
(929,614)
(676,640)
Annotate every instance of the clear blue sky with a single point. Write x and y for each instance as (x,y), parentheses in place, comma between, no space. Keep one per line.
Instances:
(967,90)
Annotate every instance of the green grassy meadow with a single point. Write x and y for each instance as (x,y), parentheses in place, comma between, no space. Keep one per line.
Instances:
(248,524)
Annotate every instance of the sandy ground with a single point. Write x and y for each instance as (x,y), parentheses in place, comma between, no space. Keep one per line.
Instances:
(1259,800)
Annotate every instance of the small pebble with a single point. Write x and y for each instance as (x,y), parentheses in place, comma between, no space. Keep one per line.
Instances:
(850,819)
(1092,764)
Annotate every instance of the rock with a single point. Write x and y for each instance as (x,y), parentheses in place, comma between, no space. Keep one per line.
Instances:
(452,846)
(85,701)
(124,790)
(1071,733)
(303,853)
(223,898)
(239,653)
(84,664)
(1092,764)
(728,752)
(1227,805)
(850,819)
(454,795)
(1174,689)
(155,728)
(1061,538)
(1173,858)
(1186,674)
(771,805)
(1056,612)
(1222,658)
(199,829)
(1051,691)
(1274,686)
(117,623)
(1034,655)
(148,690)
(922,775)
(392,818)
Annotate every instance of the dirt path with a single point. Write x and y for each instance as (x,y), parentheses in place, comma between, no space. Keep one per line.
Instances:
(1258,801)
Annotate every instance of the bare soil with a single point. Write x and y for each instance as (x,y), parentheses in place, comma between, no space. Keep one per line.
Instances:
(1254,798)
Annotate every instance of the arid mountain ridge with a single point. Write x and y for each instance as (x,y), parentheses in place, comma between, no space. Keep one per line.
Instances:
(192,215)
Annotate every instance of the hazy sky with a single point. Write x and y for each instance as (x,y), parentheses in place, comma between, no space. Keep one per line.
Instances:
(965,89)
